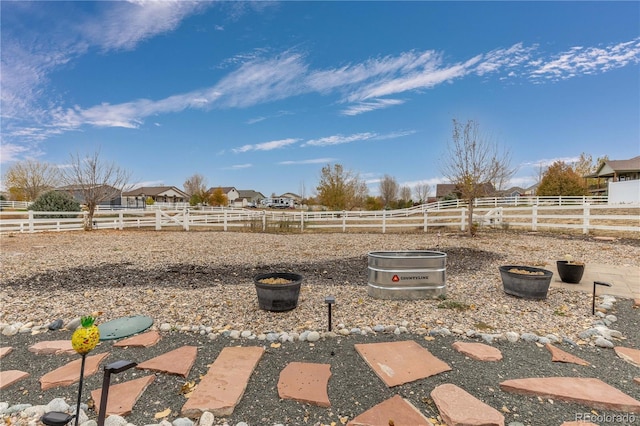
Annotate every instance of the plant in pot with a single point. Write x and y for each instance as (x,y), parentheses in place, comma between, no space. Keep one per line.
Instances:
(527,282)
(570,271)
(278,291)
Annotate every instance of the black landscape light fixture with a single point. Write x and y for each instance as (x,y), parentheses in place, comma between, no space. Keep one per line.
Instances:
(58,418)
(329,300)
(593,300)
(109,369)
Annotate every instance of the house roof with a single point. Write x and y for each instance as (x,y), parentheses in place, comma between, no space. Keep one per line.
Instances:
(443,189)
(225,189)
(249,194)
(609,168)
(153,191)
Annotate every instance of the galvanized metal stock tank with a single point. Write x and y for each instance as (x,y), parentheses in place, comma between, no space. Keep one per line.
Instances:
(407,275)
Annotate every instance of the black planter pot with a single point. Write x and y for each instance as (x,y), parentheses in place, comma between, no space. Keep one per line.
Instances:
(278,297)
(526,286)
(570,272)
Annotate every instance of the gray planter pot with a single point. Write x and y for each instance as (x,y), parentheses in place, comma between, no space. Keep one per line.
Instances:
(570,272)
(527,286)
(278,297)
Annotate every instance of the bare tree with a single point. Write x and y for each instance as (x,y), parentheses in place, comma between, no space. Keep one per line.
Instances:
(473,161)
(95,181)
(421,191)
(405,194)
(26,180)
(388,190)
(341,189)
(196,187)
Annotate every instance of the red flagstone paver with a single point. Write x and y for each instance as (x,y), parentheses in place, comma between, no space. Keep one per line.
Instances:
(305,382)
(459,408)
(123,396)
(636,303)
(52,347)
(178,361)
(5,351)
(558,355)
(400,362)
(478,351)
(70,373)
(222,387)
(9,377)
(593,393)
(630,355)
(396,409)
(144,340)
(637,380)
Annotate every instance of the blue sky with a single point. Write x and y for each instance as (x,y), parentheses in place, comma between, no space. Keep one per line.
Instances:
(263,95)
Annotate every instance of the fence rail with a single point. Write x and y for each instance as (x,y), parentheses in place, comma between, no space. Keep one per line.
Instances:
(544,214)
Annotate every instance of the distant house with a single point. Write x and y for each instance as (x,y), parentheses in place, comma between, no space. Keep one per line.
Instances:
(446,190)
(230,191)
(159,194)
(295,197)
(248,198)
(619,179)
(110,196)
(614,171)
(450,190)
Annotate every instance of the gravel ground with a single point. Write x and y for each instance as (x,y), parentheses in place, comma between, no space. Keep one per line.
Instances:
(205,279)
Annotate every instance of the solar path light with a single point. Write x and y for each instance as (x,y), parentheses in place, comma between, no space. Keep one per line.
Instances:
(329,300)
(109,369)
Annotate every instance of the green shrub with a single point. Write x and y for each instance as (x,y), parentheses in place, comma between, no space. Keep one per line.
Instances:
(55,201)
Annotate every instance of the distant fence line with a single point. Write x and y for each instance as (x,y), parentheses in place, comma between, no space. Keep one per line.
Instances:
(547,213)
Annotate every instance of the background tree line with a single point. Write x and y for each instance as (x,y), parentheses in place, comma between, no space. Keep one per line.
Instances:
(473,162)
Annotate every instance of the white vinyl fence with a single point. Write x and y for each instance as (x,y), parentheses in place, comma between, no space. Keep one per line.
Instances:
(538,214)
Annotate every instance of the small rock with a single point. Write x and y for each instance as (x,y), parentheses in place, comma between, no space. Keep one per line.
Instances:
(245,333)
(115,420)
(262,336)
(603,343)
(55,325)
(206,419)
(165,327)
(529,337)
(543,340)
(57,404)
(342,331)
(512,336)
(234,334)
(10,330)
(313,336)
(611,318)
(182,421)
(73,324)
(378,328)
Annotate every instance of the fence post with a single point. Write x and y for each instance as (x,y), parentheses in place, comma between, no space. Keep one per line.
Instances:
(158,220)
(344,221)
(224,214)
(425,224)
(121,217)
(185,215)
(31,224)
(534,217)
(384,221)
(462,219)
(301,220)
(585,219)
(264,221)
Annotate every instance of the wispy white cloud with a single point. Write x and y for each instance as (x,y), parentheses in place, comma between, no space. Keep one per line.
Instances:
(266,146)
(326,160)
(239,166)
(257,77)
(362,107)
(28,56)
(582,60)
(356,137)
